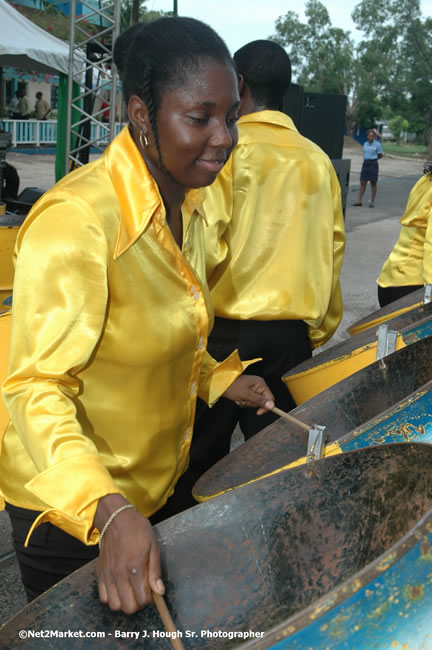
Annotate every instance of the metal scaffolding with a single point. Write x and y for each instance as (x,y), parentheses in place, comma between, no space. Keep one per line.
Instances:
(92,86)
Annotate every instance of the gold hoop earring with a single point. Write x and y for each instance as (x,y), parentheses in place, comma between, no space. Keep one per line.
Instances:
(142,136)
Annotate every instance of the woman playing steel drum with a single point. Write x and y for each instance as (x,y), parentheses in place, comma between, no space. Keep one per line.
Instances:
(110,323)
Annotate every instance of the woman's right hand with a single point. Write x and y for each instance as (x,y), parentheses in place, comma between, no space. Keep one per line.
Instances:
(128,568)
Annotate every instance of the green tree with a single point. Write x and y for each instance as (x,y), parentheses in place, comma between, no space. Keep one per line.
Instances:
(398,40)
(398,124)
(321,55)
(135,11)
(324,59)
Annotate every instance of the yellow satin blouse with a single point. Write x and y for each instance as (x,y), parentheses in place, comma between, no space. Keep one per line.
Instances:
(276,234)
(410,262)
(108,345)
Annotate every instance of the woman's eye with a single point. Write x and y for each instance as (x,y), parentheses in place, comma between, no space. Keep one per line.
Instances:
(231,121)
(198,120)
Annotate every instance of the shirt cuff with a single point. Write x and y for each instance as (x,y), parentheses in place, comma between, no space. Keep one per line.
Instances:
(221,376)
(71,504)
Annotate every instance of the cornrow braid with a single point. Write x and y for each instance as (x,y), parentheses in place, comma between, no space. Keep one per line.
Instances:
(148,99)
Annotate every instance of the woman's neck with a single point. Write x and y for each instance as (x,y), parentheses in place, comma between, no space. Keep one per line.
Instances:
(173,195)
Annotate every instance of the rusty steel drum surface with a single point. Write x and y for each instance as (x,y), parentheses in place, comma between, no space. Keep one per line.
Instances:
(263,556)
(388,401)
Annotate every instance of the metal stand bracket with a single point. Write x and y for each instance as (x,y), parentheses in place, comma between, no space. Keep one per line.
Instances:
(386,341)
(316,441)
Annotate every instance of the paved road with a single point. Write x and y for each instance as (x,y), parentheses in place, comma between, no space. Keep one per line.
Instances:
(371,234)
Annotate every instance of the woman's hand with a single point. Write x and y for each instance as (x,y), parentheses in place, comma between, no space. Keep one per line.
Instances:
(128,568)
(250,390)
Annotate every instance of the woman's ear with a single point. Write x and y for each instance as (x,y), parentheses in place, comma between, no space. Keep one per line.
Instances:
(139,116)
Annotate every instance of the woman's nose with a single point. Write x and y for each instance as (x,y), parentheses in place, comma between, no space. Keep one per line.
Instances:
(222,136)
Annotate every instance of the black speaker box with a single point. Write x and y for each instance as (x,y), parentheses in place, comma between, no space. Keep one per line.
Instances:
(319,117)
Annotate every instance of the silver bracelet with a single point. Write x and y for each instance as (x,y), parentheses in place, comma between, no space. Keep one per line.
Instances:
(111,519)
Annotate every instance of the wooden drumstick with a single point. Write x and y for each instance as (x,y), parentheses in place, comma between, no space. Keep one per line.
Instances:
(290,418)
(167,621)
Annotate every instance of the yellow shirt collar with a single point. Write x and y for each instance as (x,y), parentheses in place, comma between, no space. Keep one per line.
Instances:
(137,192)
(269,117)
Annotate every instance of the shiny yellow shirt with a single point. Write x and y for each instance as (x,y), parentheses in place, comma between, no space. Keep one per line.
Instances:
(276,234)
(410,262)
(108,346)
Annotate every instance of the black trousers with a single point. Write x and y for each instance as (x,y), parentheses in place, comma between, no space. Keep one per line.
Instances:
(386,295)
(282,345)
(51,554)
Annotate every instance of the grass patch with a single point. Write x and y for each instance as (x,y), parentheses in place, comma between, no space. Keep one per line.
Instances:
(409,150)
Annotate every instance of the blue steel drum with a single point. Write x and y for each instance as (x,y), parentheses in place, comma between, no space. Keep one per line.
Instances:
(387,605)
(337,557)
(7,302)
(388,401)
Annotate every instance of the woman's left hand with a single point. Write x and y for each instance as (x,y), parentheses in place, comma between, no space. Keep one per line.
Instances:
(250,390)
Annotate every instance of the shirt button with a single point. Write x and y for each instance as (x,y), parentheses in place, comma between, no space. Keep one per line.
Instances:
(186,246)
(201,343)
(197,295)
(188,433)
(193,388)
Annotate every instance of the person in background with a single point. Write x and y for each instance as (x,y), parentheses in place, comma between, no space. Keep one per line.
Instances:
(13,105)
(409,265)
(11,182)
(372,152)
(274,249)
(110,324)
(23,110)
(42,108)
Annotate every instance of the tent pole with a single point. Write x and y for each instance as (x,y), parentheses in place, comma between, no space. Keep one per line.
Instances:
(70,84)
(113,90)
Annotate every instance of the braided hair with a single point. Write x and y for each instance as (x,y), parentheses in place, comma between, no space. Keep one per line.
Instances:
(161,56)
(266,68)
(122,46)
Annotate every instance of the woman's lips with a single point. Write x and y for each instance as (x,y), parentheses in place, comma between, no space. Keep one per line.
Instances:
(212,165)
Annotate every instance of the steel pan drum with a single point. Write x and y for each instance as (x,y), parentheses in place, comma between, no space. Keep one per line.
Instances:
(5,300)
(264,555)
(342,360)
(388,401)
(396,308)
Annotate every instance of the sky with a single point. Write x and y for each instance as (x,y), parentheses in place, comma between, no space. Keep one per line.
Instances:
(241,21)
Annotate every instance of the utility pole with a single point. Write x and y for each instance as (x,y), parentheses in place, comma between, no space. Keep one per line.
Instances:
(175,8)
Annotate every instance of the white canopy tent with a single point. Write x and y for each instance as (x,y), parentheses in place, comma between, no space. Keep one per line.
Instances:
(26,46)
